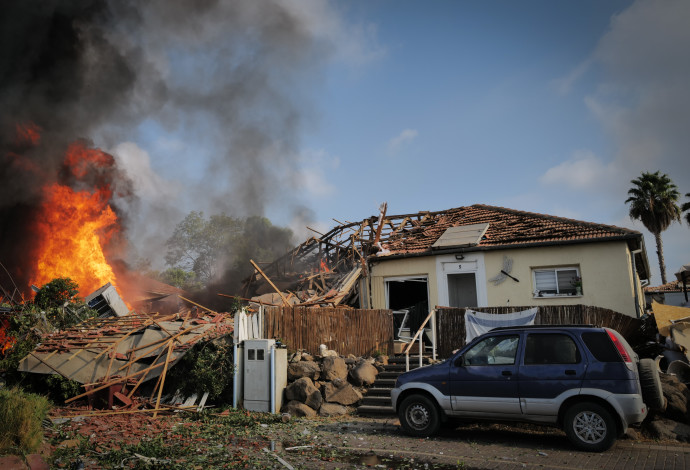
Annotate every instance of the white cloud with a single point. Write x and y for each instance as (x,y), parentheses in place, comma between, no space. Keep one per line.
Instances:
(563,85)
(402,139)
(643,100)
(583,170)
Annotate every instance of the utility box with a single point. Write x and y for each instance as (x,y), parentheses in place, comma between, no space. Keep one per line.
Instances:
(265,375)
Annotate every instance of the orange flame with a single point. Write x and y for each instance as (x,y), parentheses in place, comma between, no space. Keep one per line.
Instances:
(6,341)
(323,267)
(75,226)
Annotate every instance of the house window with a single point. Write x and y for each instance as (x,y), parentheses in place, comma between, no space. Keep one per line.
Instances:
(556,281)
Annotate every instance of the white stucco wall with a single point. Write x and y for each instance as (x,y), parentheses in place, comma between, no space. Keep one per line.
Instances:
(605,268)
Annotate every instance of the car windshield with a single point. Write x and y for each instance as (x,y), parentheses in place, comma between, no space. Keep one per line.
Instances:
(493,350)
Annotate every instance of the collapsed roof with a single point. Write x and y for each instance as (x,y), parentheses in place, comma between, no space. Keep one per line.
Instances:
(117,349)
(324,269)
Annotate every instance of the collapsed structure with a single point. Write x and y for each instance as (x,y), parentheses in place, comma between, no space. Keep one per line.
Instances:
(120,350)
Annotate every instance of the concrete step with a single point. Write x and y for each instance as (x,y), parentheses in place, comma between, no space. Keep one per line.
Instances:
(388,374)
(376,401)
(384,383)
(368,410)
(379,392)
(413,360)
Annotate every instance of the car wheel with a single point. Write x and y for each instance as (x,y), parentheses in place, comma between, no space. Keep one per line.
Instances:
(590,427)
(652,392)
(419,416)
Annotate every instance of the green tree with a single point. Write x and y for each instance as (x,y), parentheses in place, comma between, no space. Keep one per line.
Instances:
(56,293)
(686,208)
(197,244)
(653,200)
(222,246)
(180,278)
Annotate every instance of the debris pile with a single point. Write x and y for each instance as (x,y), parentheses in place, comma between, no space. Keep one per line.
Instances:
(115,355)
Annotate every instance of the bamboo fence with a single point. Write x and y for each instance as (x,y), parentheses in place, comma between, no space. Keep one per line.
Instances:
(451,322)
(345,330)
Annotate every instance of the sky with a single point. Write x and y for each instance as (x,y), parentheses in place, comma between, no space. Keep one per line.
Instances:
(542,106)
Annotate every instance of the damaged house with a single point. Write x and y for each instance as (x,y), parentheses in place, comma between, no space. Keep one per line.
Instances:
(472,256)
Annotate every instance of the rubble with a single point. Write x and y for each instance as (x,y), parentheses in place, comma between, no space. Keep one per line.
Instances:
(115,355)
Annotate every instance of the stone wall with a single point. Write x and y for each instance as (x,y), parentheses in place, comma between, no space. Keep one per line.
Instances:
(328,384)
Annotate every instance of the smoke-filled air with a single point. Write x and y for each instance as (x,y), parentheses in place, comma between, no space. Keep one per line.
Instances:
(80,81)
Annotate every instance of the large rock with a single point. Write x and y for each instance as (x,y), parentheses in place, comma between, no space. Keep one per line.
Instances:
(297,370)
(325,352)
(332,409)
(296,357)
(677,396)
(314,400)
(298,409)
(340,391)
(333,368)
(363,373)
(300,390)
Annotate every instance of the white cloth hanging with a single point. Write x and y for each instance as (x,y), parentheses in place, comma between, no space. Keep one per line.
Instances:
(478,323)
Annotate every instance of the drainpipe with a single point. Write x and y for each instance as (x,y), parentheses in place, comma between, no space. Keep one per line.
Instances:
(272,378)
(636,280)
(234,377)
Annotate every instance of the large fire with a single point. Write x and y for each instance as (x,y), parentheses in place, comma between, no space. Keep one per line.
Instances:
(75,226)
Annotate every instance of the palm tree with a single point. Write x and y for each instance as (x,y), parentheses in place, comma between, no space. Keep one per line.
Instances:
(654,201)
(686,208)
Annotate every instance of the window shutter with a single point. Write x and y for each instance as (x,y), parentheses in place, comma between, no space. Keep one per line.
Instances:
(545,281)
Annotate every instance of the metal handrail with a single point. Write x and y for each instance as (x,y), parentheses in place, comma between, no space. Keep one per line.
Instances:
(421,349)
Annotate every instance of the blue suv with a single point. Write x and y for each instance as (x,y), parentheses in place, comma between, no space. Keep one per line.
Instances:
(584,379)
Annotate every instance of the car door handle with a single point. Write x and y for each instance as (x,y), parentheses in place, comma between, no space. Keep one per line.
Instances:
(570,372)
(506,373)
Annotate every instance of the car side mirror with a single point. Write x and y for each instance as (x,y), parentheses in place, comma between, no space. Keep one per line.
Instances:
(459,361)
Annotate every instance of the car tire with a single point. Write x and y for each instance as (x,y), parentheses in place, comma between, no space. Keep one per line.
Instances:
(652,392)
(419,416)
(590,427)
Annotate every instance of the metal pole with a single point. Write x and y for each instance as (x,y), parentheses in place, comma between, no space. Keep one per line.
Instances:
(272,379)
(421,347)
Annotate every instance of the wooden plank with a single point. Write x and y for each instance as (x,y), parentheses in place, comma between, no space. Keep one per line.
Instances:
(270,282)
(200,306)
(113,382)
(162,382)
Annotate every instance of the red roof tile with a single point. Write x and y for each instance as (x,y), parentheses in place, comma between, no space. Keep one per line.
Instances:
(673,286)
(416,233)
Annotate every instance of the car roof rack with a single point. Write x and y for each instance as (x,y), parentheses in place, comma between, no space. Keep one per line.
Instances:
(536,327)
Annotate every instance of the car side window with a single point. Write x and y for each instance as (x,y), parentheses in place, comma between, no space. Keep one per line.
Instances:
(495,350)
(550,348)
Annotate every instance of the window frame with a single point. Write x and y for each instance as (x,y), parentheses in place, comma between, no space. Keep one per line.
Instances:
(539,294)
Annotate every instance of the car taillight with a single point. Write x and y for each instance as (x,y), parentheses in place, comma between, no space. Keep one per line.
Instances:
(619,346)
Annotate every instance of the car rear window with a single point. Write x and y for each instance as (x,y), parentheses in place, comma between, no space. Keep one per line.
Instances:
(600,346)
(550,348)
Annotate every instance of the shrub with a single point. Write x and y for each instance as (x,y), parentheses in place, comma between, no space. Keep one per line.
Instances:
(207,367)
(20,420)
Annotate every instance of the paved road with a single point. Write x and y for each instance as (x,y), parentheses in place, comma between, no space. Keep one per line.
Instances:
(500,447)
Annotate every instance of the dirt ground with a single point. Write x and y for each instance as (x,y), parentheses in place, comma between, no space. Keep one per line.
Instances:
(239,439)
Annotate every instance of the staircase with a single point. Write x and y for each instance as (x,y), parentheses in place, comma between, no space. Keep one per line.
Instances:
(377,401)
